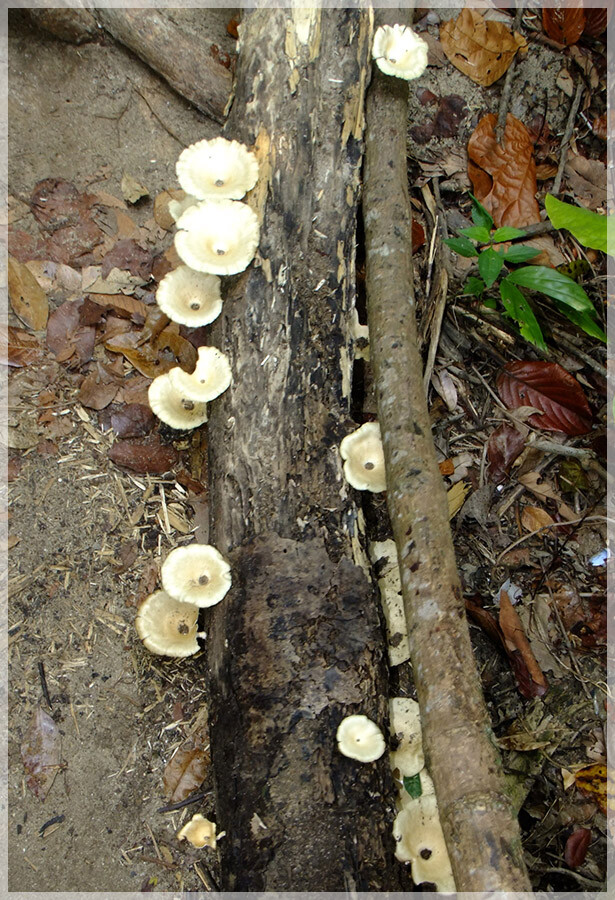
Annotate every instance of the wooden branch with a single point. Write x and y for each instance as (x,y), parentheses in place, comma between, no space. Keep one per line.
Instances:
(480,828)
(182,60)
(75,26)
(296,645)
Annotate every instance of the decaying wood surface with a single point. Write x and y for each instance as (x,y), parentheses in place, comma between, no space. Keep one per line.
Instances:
(297,644)
(76,26)
(480,828)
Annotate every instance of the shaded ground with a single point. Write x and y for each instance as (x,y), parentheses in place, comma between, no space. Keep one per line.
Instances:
(86,536)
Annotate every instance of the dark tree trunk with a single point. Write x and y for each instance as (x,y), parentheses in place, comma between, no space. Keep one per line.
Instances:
(297,644)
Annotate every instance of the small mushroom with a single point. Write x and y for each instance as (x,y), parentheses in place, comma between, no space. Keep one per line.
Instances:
(217,170)
(173,408)
(166,626)
(219,237)
(196,574)
(360,738)
(399,51)
(406,727)
(420,841)
(210,378)
(178,207)
(190,298)
(364,458)
(199,831)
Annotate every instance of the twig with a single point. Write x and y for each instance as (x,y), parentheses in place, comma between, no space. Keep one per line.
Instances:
(571,654)
(45,689)
(532,534)
(587,882)
(580,354)
(574,108)
(507,89)
(193,798)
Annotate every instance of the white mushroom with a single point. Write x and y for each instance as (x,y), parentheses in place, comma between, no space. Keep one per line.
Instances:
(196,574)
(399,51)
(199,831)
(219,237)
(360,738)
(364,458)
(383,555)
(210,378)
(190,298)
(420,841)
(173,408)
(166,626)
(406,727)
(178,207)
(217,170)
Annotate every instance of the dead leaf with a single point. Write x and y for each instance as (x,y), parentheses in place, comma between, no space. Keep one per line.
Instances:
(24,246)
(20,348)
(28,299)
(504,446)
(596,20)
(55,277)
(40,753)
(13,468)
(533,518)
(185,773)
(56,203)
(576,847)
(564,24)
(456,496)
(97,389)
(532,482)
(162,216)
(565,83)
(600,127)
(133,420)
(109,200)
(66,336)
(128,255)
(587,178)
(504,175)
(482,50)
(132,190)
(123,305)
(592,782)
(516,641)
(549,388)
(544,171)
(148,457)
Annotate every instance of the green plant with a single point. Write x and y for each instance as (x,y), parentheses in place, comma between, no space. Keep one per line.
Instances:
(568,296)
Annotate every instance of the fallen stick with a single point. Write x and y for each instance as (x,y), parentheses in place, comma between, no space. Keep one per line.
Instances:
(481,831)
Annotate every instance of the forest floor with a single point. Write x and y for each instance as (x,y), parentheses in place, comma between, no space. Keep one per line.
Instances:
(100,492)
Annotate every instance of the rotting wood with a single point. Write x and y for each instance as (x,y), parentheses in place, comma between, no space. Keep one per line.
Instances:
(297,644)
(75,26)
(480,828)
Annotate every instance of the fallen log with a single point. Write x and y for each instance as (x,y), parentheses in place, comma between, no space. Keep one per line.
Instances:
(478,821)
(297,643)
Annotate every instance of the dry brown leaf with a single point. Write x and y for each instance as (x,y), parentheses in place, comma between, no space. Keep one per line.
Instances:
(18,347)
(587,178)
(533,518)
(185,773)
(132,190)
(504,175)
(97,389)
(109,200)
(145,457)
(162,216)
(531,481)
(126,227)
(66,335)
(545,171)
(55,277)
(482,50)
(28,299)
(515,639)
(122,304)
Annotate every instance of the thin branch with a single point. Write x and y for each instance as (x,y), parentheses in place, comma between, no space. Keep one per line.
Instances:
(574,108)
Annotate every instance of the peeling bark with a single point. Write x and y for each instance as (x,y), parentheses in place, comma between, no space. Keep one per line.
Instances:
(479,825)
(297,643)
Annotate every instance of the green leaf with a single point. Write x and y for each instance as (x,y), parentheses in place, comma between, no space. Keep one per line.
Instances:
(490,265)
(490,303)
(474,286)
(519,309)
(412,784)
(589,228)
(553,284)
(477,233)
(507,233)
(480,216)
(462,246)
(584,320)
(519,253)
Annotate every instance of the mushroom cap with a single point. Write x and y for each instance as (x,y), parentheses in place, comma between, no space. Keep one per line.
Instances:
(217,236)
(199,831)
(364,458)
(173,408)
(166,626)
(420,841)
(210,378)
(196,574)
(178,207)
(360,738)
(217,169)
(190,298)
(399,51)
(405,723)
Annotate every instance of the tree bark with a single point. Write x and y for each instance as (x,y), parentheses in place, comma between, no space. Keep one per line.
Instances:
(297,644)
(479,825)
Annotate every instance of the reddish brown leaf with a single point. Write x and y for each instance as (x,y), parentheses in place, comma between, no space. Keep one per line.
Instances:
(146,458)
(232,27)
(418,237)
(97,389)
(24,246)
(66,336)
(533,518)
(74,244)
(13,468)
(133,420)
(596,19)
(482,49)
(128,256)
(576,847)
(549,388)
(516,642)
(40,753)
(504,175)
(504,446)
(564,25)
(123,305)
(56,203)
(185,773)
(600,127)
(18,347)
(451,112)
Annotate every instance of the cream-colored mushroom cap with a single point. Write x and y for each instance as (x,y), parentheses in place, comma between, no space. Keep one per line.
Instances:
(178,207)
(405,725)
(398,51)
(196,574)
(190,298)
(364,458)
(217,170)
(219,237)
(420,841)
(210,378)
(166,626)
(199,831)
(360,738)
(173,408)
